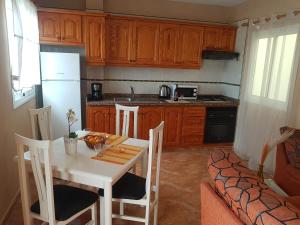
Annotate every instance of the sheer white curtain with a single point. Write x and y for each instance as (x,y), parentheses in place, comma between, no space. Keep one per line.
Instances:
(23,36)
(268,86)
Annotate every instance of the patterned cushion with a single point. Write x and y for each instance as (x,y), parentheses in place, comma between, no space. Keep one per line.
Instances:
(249,198)
(292,147)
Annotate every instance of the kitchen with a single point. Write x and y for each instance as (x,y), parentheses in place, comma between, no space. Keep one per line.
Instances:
(126,54)
(191,68)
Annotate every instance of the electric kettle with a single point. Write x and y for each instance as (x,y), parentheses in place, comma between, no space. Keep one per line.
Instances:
(164,91)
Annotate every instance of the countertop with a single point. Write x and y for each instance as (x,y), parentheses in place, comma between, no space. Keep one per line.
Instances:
(153,100)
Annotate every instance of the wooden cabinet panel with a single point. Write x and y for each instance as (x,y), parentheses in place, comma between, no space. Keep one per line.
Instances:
(227,39)
(219,38)
(211,38)
(71,29)
(149,117)
(192,140)
(60,28)
(98,119)
(194,111)
(168,39)
(193,124)
(118,41)
(49,27)
(94,38)
(173,121)
(189,49)
(145,43)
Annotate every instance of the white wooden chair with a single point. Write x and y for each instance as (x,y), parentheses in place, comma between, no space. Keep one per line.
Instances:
(132,189)
(41,121)
(58,204)
(126,120)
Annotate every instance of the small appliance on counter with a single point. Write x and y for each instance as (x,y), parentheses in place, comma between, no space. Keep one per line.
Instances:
(164,92)
(184,92)
(96,92)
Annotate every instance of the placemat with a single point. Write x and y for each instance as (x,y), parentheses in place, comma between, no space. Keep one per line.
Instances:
(119,154)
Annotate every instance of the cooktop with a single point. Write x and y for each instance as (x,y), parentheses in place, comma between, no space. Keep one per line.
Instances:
(212,98)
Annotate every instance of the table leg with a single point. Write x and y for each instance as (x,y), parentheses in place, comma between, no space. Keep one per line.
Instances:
(108,203)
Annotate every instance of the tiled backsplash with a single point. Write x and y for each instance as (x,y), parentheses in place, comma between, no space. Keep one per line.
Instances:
(147,80)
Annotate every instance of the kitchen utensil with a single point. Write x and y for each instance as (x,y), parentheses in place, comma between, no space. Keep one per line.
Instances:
(164,91)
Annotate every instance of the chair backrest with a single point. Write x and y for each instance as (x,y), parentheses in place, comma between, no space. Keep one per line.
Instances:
(39,154)
(41,120)
(126,119)
(155,148)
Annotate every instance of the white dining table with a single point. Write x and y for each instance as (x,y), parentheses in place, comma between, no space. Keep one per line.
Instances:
(82,169)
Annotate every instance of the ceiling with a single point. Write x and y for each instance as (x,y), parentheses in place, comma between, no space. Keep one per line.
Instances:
(213,2)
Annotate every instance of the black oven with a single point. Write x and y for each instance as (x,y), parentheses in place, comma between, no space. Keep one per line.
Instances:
(220,124)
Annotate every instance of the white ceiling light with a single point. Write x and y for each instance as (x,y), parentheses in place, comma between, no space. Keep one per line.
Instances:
(213,2)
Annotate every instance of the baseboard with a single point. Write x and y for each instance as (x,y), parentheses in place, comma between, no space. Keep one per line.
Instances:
(9,207)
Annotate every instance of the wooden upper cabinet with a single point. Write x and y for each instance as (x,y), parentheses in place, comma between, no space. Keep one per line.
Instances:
(219,38)
(168,38)
(118,37)
(211,38)
(60,28)
(49,27)
(71,29)
(227,39)
(189,49)
(94,39)
(145,38)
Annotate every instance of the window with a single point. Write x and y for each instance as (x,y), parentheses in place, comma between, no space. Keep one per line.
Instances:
(274,56)
(23,41)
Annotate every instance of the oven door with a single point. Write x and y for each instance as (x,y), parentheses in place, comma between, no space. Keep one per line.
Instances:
(220,125)
(219,132)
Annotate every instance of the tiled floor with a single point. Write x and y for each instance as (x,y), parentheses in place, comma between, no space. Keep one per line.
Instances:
(181,173)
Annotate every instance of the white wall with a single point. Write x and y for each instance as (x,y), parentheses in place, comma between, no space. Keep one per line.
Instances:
(11,121)
(233,69)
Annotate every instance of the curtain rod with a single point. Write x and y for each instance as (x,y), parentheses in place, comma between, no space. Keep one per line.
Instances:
(268,19)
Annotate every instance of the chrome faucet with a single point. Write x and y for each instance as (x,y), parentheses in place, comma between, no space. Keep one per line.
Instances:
(131,93)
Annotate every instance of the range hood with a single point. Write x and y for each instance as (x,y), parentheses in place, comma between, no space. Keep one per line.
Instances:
(219,55)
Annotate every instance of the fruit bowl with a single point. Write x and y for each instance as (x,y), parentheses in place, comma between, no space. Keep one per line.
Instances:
(93,140)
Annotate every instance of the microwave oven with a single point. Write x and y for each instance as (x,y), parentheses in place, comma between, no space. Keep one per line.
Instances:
(184,92)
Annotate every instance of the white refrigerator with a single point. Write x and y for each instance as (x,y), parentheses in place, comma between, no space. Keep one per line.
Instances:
(61,89)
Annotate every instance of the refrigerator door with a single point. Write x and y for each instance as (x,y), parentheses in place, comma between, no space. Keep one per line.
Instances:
(60,66)
(62,96)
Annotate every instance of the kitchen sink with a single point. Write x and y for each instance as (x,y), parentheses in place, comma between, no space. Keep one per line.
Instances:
(122,99)
(127,99)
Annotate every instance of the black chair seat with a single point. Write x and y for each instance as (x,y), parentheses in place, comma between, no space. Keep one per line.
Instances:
(68,201)
(130,186)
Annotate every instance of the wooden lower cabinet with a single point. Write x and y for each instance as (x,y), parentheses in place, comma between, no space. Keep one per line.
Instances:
(149,117)
(98,119)
(173,123)
(184,126)
(193,123)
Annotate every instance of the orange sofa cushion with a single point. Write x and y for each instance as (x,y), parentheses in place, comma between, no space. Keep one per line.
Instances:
(249,198)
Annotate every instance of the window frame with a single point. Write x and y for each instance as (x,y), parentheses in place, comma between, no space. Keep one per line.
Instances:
(280,31)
